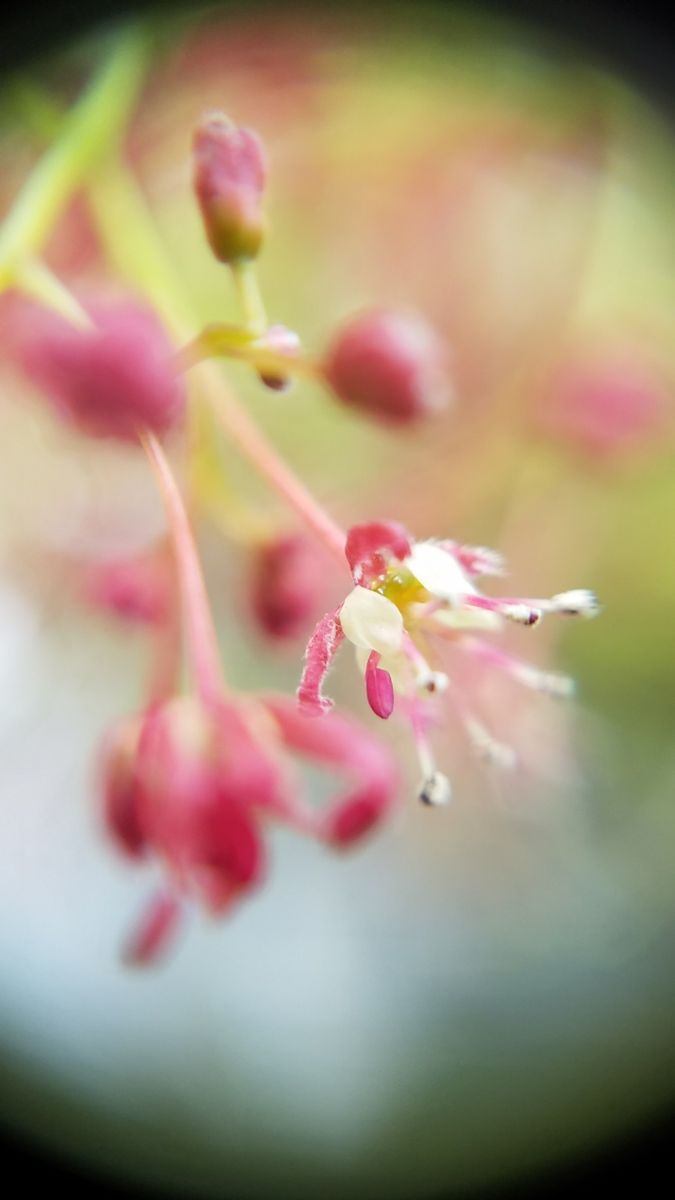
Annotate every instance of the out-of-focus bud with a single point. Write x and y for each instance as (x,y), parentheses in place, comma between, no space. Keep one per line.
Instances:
(229,179)
(137,590)
(390,365)
(118,774)
(112,380)
(285,585)
(282,341)
(605,400)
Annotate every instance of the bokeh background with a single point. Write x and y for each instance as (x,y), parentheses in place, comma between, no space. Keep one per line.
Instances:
(476,993)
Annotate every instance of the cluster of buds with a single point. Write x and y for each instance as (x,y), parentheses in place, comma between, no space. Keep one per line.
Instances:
(194,778)
(387,365)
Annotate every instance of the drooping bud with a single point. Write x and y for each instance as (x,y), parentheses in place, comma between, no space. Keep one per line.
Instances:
(229,180)
(284,341)
(111,380)
(285,581)
(389,365)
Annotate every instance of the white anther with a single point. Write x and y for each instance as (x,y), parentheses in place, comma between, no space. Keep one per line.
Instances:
(578,603)
(432,681)
(522,614)
(435,790)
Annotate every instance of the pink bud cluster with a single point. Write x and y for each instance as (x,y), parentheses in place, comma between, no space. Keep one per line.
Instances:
(194,785)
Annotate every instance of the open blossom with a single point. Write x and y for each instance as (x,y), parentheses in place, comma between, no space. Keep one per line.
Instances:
(110,380)
(408,596)
(194,784)
(389,365)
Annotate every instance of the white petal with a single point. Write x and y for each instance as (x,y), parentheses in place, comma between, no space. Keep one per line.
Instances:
(371,621)
(438,571)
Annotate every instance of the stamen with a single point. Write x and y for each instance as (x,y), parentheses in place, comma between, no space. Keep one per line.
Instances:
(435,790)
(550,683)
(492,752)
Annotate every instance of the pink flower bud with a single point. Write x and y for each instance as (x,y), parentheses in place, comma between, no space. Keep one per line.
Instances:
(389,365)
(283,341)
(229,179)
(137,590)
(285,584)
(606,400)
(112,380)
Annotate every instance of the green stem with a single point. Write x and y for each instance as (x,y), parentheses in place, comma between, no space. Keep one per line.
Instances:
(249,295)
(231,341)
(35,279)
(89,131)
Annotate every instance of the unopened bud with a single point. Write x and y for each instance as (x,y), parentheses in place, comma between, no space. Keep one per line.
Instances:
(112,380)
(285,585)
(389,365)
(229,180)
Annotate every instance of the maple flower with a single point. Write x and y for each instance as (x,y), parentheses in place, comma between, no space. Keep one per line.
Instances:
(406,595)
(193,785)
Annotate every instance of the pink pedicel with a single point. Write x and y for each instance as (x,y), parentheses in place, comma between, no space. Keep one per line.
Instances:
(285,581)
(388,365)
(605,400)
(112,380)
(194,786)
(229,181)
